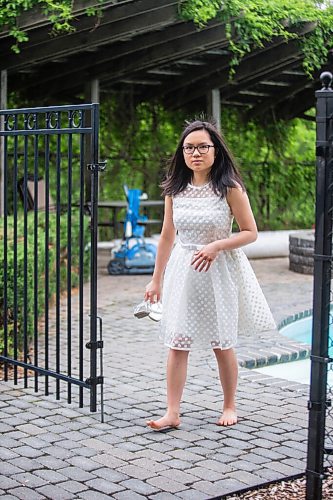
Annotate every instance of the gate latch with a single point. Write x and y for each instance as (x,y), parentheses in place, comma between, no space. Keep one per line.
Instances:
(95,345)
(95,381)
(99,166)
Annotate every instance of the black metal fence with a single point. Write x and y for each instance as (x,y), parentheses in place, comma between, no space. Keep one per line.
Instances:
(320,437)
(48,247)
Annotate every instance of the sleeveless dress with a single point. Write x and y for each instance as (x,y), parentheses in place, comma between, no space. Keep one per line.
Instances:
(208,310)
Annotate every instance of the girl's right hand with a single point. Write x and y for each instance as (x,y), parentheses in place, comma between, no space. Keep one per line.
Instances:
(153,291)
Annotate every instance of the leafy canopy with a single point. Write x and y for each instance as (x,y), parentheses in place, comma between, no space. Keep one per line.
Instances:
(249,24)
(253,23)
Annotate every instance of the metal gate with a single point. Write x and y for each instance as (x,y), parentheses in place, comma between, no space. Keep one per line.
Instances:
(320,434)
(48,250)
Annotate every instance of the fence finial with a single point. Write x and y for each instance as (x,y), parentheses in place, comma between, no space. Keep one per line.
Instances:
(326,79)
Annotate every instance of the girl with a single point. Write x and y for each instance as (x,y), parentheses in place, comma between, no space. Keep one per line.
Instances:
(210,293)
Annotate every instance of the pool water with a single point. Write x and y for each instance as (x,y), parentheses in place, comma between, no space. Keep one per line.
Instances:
(298,371)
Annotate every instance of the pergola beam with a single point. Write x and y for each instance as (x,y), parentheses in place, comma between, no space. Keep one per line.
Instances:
(250,71)
(133,65)
(119,22)
(141,45)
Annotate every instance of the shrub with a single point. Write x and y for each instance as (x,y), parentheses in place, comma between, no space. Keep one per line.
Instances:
(30,281)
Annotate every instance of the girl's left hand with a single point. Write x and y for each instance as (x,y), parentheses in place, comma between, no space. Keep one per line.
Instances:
(202,259)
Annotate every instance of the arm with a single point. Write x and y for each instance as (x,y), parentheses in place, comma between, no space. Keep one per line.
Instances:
(165,244)
(241,209)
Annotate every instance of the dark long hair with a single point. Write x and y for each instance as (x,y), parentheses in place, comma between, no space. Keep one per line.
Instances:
(223,175)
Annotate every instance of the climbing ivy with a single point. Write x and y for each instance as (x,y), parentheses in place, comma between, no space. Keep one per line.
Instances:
(253,23)
(249,24)
(58,12)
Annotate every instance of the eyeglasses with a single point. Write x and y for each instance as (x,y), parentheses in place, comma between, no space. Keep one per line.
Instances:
(202,149)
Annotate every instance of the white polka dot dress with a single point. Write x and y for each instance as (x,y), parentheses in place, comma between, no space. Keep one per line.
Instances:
(204,310)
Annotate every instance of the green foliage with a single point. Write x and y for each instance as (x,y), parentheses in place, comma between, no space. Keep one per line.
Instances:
(31,264)
(252,23)
(136,140)
(249,24)
(277,162)
(276,159)
(58,12)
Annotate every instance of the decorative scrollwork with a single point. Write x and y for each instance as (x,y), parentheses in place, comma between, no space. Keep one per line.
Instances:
(75,119)
(52,120)
(30,121)
(10,122)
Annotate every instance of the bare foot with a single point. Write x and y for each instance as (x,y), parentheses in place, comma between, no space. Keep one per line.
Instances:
(166,422)
(229,417)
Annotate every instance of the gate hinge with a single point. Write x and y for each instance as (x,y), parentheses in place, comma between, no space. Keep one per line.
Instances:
(95,345)
(320,475)
(321,359)
(95,381)
(319,405)
(100,166)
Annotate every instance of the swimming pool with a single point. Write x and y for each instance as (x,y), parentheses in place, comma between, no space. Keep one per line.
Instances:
(297,371)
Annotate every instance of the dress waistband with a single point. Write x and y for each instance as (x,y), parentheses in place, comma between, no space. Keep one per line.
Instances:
(190,246)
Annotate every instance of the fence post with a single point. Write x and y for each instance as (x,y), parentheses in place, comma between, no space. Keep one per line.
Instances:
(321,291)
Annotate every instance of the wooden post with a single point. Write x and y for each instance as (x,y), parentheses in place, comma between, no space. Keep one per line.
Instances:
(214,107)
(3,105)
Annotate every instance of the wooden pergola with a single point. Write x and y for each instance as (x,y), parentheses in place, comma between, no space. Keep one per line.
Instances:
(142,48)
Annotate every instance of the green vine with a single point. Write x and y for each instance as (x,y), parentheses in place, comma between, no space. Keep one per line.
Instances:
(253,23)
(58,12)
(249,24)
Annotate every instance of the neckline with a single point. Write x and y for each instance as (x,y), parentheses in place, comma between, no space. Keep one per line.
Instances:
(199,187)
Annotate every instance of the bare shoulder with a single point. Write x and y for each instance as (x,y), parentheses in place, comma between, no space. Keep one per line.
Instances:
(236,194)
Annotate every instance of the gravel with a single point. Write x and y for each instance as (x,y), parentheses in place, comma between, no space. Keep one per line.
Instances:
(286,490)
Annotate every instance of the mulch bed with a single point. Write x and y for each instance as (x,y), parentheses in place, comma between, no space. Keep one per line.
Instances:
(285,490)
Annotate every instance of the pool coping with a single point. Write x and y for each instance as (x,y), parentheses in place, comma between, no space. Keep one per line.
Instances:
(272,347)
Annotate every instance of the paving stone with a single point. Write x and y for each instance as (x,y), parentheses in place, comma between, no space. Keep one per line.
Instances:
(123,495)
(7,483)
(7,454)
(215,465)
(57,452)
(33,430)
(272,454)
(136,472)
(77,474)
(29,480)
(103,486)
(50,462)
(281,467)
(50,476)
(26,494)
(245,477)
(190,494)
(83,463)
(185,455)
(177,464)
(245,465)
(138,486)
(150,465)
(72,486)
(111,475)
(167,484)
(210,489)
(8,469)
(206,474)
(93,495)
(185,478)
(108,460)
(55,492)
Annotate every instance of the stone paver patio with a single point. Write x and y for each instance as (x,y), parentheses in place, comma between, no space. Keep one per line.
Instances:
(53,450)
